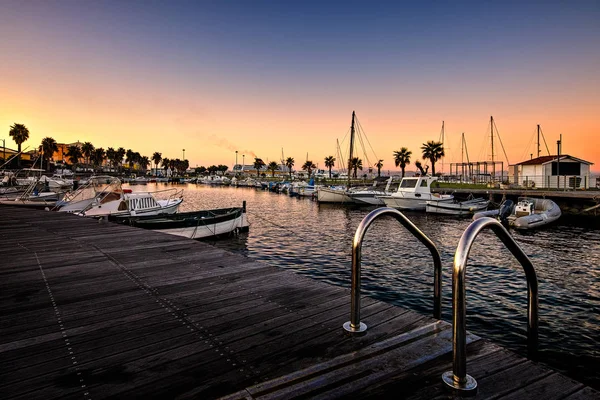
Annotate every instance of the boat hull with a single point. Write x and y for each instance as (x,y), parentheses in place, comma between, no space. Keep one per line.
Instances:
(192,225)
(367,198)
(328,195)
(461,208)
(412,202)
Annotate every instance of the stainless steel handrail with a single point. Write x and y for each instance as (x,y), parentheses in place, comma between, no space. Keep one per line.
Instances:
(354,325)
(458,378)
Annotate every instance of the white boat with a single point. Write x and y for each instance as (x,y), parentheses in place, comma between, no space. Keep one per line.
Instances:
(413,194)
(303,189)
(139,180)
(103,196)
(95,190)
(370,195)
(528,213)
(193,225)
(134,203)
(333,195)
(467,207)
(32,197)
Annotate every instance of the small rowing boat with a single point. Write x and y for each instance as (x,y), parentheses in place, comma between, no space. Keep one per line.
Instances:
(194,224)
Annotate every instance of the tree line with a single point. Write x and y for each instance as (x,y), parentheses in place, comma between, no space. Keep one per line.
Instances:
(431,151)
(96,156)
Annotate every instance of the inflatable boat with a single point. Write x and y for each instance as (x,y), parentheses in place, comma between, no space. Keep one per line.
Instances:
(528,213)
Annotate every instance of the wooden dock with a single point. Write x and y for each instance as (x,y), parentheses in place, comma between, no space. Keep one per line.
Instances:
(94,310)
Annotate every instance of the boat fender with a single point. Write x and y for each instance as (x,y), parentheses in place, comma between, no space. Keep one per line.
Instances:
(505,210)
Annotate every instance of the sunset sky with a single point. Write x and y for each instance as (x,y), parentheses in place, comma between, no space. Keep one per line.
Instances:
(258,76)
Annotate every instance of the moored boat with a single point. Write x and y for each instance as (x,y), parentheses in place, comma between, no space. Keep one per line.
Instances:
(413,194)
(194,224)
(460,208)
(528,213)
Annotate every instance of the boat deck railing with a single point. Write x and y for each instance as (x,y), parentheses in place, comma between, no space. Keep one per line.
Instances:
(355,326)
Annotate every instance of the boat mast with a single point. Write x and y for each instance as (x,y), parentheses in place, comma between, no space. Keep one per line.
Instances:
(462,157)
(442,141)
(493,164)
(538,143)
(351,148)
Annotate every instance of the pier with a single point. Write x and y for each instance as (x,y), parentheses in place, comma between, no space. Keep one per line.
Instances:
(93,310)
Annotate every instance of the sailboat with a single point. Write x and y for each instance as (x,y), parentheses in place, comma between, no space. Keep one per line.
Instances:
(339,194)
(344,194)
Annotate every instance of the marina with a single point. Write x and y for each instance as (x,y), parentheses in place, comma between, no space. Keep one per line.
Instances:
(299,200)
(154,315)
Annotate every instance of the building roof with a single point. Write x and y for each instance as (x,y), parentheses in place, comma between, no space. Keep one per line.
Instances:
(547,159)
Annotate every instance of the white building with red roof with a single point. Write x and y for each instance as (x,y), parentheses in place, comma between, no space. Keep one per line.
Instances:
(562,171)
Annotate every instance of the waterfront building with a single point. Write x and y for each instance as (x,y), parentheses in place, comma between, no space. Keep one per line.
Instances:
(549,172)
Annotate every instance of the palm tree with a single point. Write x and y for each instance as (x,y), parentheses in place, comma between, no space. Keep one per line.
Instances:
(308,167)
(110,156)
(432,151)
(130,158)
(48,147)
(165,164)
(356,164)
(258,164)
(273,166)
(402,158)
(330,163)
(98,157)
(19,134)
(289,163)
(156,157)
(119,156)
(87,149)
(379,165)
(74,154)
(144,162)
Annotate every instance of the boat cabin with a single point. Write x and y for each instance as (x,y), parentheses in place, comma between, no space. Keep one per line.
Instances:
(417,184)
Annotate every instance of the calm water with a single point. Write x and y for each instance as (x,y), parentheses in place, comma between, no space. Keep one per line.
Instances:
(315,240)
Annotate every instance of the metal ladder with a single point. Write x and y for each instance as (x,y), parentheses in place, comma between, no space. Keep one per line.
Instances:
(354,326)
(458,379)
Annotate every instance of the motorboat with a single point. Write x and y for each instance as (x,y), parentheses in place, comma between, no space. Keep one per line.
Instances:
(370,195)
(414,193)
(528,213)
(103,195)
(93,191)
(34,196)
(130,203)
(460,208)
(303,189)
(193,225)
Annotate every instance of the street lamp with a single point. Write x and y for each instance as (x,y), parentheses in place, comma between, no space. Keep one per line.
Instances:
(184,154)
(235,159)
(243,162)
